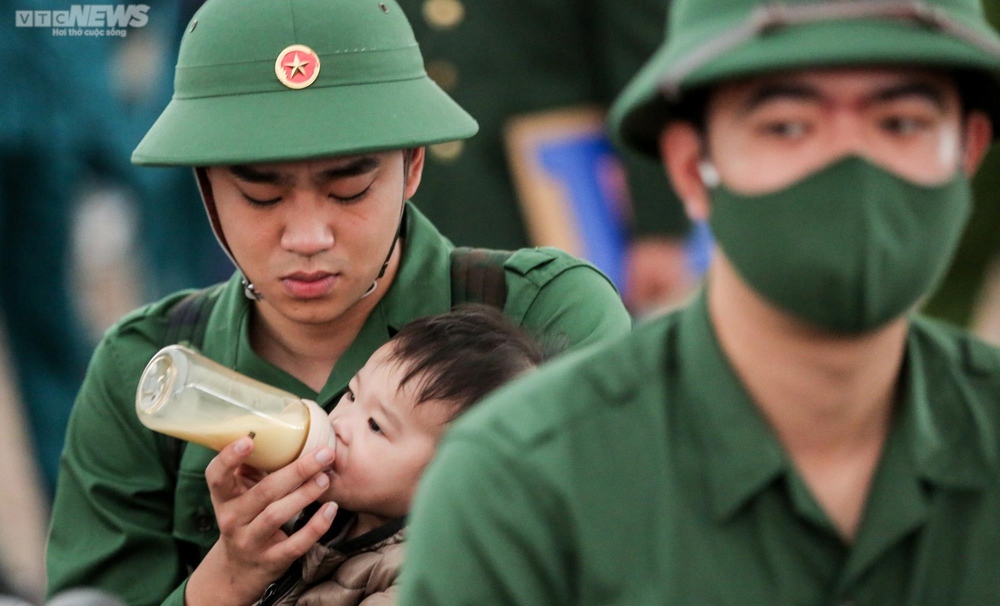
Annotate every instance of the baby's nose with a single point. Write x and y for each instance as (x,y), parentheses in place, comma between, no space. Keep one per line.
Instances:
(341,429)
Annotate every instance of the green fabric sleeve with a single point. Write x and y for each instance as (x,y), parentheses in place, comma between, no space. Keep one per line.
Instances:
(580,307)
(562,300)
(113,511)
(480,516)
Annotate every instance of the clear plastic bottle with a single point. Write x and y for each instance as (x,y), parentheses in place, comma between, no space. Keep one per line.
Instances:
(184,394)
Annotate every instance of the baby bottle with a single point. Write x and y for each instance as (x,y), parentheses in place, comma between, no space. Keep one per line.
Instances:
(184,394)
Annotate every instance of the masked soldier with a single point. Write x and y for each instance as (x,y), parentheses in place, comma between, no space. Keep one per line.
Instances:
(796,435)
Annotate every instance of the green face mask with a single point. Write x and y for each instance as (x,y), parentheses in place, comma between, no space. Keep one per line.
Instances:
(848,248)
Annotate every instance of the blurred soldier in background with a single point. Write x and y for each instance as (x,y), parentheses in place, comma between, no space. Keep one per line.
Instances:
(505,61)
(73,108)
(177,248)
(51,119)
(76,107)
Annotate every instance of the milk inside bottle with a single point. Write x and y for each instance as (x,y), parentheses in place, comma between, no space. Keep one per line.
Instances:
(186,395)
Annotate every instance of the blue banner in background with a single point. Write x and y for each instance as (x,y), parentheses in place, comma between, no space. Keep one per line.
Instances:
(588,170)
(582,165)
(699,248)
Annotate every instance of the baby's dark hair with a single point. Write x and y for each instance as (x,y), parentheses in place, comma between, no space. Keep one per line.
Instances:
(462,355)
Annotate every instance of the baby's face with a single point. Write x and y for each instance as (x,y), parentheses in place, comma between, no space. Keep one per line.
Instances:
(384,439)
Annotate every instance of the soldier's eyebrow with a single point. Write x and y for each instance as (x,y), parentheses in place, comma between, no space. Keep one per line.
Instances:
(352,168)
(247,173)
(779,90)
(918,89)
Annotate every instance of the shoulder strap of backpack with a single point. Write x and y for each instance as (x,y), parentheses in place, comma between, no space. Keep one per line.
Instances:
(186,323)
(188,319)
(477,276)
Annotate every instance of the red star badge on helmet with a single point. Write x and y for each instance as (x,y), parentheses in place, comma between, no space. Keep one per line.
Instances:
(297,66)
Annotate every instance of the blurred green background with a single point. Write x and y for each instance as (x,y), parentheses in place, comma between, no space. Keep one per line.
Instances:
(956,298)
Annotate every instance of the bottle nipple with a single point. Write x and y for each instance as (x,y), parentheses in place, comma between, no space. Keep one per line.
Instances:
(320,429)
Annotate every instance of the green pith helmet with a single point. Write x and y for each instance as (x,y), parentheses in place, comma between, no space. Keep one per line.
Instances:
(709,41)
(282,80)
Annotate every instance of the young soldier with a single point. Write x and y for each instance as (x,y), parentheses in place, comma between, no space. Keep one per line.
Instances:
(796,435)
(306,121)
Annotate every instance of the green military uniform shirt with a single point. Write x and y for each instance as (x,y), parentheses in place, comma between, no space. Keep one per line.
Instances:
(118,523)
(640,472)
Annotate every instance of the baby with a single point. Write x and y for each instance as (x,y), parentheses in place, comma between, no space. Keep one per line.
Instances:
(387,427)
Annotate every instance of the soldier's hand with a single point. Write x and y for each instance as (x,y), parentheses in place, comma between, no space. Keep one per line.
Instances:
(253,550)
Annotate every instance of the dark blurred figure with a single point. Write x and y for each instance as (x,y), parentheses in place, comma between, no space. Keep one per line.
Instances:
(74,107)
(49,117)
(968,295)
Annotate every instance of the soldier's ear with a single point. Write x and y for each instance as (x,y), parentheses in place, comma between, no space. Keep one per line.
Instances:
(978,137)
(682,154)
(413,163)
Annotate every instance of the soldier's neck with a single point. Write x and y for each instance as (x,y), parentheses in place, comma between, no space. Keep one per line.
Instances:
(828,398)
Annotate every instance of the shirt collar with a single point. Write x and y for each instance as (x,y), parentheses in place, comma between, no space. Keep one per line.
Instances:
(741,454)
(947,432)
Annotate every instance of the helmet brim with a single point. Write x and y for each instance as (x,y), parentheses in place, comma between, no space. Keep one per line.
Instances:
(311,123)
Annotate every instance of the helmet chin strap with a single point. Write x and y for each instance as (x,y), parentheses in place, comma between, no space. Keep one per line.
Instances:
(205,187)
(399,228)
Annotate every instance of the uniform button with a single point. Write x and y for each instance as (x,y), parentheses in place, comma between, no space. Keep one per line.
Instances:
(447,152)
(443,14)
(203,520)
(444,73)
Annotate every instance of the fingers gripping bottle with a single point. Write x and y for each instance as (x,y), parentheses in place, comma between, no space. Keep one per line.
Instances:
(184,394)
